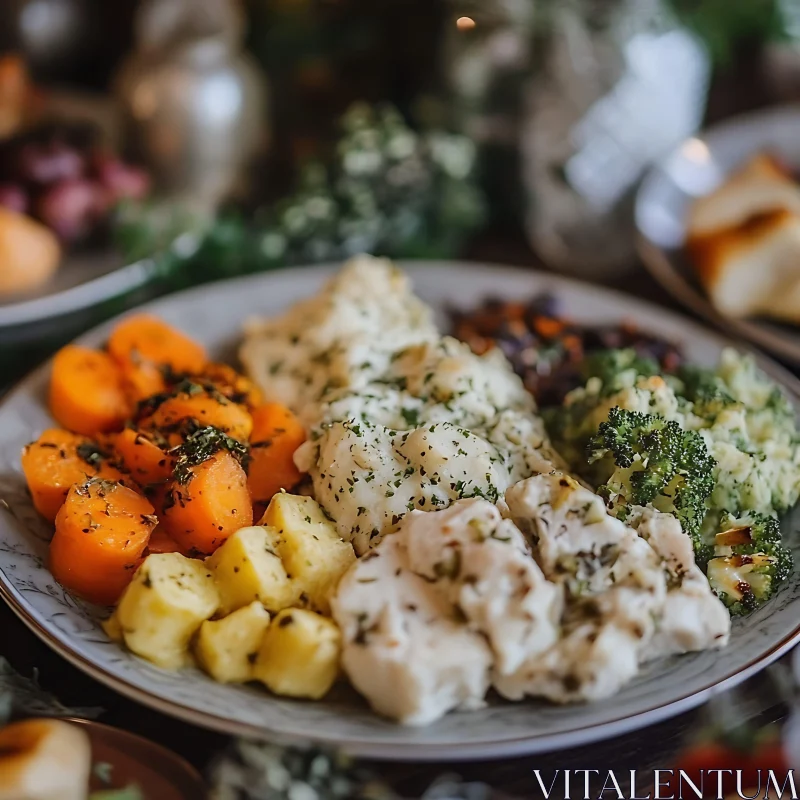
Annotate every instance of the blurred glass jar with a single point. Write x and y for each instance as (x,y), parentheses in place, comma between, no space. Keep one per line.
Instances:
(617,85)
(194,104)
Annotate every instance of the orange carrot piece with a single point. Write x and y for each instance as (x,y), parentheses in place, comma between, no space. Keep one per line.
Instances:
(141,380)
(232,384)
(142,457)
(277,433)
(86,391)
(59,459)
(212,504)
(142,338)
(101,534)
(161,542)
(207,410)
(156,494)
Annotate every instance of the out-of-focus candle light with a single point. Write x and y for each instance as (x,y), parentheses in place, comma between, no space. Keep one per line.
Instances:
(465,23)
(696,150)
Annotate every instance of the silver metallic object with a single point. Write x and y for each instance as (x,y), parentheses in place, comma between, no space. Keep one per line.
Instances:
(609,100)
(194,104)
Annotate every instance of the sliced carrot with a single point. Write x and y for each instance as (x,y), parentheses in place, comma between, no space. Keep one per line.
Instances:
(201,513)
(156,494)
(161,542)
(86,391)
(208,409)
(141,380)
(144,339)
(141,456)
(277,433)
(59,459)
(232,384)
(101,534)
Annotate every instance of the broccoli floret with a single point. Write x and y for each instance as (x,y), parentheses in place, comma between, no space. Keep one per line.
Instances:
(755,533)
(705,390)
(607,372)
(608,365)
(649,460)
(570,427)
(744,583)
(750,562)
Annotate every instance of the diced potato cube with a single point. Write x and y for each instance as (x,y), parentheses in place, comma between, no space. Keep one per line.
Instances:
(313,553)
(299,656)
(226,648)
(248,567)
(166,602)
(113,629)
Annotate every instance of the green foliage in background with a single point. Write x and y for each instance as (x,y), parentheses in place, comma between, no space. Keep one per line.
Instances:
(387,190)
(22,697)
(724,25)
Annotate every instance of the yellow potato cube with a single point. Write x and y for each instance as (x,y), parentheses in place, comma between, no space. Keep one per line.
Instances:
(299,656)
(166,602)
(248,567)
(313,553)
(113,629)
(226,648)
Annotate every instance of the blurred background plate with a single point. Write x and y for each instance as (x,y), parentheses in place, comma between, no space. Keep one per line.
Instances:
(696,168)
(83,281)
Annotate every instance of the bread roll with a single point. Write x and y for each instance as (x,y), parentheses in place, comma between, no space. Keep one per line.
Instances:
(759,187)
(29,253)
(753,269)
(44,759)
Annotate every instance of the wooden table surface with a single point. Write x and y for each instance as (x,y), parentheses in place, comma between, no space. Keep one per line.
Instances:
(653,747)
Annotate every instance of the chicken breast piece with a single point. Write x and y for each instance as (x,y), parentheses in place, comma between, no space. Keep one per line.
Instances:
(591,663)
(693,618)
(615,586)
(435,608)
(481,563)
(404,649)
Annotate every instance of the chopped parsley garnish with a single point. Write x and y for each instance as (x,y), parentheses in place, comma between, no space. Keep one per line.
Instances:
(91,453)
(201,445)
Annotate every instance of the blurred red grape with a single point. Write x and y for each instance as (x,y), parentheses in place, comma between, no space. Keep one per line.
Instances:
(43,164)
(72,208)
(121,181)
(60,174)
(13,197)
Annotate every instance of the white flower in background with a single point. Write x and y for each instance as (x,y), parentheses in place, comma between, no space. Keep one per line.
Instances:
(319,207)
(294,220)
(362,162)
(273,245)
(401,145)
(454,154)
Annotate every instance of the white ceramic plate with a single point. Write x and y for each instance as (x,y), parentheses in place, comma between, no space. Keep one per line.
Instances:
(214,314)
(697,167)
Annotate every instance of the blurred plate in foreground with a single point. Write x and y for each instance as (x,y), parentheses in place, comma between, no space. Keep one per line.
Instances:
(122,759)
(81,282)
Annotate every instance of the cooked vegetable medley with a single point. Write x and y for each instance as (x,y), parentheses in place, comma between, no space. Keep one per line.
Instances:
(377,500)
(704,445)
